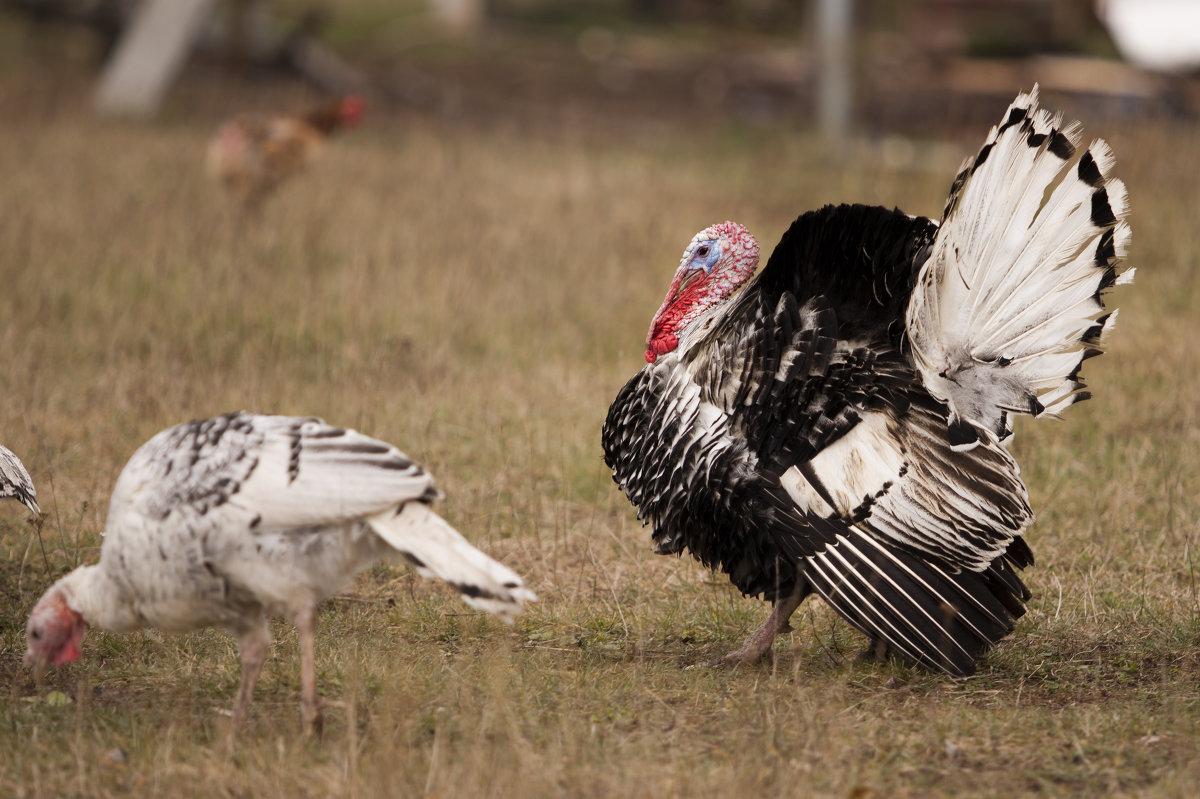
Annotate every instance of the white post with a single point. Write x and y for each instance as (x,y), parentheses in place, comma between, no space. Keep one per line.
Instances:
(459,15)
(835,88)
(151,52)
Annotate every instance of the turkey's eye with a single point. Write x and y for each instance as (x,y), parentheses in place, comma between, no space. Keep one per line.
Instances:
(703,250)
(35,634)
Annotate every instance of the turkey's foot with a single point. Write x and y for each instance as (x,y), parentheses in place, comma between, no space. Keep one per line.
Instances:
(758,645)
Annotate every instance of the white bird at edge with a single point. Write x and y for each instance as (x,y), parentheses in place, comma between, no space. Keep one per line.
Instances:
(15,481)
(836,422)
(227,521)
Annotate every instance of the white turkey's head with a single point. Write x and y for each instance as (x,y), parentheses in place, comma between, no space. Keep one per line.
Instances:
(55,631)
(719,260)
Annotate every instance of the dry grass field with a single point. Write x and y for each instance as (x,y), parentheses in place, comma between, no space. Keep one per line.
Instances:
(477,297)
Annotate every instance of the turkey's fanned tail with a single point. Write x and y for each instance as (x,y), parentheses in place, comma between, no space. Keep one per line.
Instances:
(436,549)
(1009,303)
(937,616)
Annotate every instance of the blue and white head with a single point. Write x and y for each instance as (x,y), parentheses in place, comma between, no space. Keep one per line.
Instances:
(715,264)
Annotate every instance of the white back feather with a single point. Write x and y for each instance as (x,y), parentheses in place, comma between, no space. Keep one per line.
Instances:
(15,480)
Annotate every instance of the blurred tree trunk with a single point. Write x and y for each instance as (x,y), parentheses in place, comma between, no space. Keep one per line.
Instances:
(461,15)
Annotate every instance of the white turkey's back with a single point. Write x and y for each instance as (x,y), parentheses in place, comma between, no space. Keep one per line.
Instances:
(15,480)
(214,520)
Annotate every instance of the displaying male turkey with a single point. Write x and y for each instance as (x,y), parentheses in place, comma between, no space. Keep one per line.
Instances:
(15,482)
(227,521)
(836,422)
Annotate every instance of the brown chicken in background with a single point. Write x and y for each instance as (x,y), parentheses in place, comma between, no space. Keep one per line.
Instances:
(253,153)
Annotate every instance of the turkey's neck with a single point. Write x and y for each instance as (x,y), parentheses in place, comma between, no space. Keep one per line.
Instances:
(691,338)
(91,593)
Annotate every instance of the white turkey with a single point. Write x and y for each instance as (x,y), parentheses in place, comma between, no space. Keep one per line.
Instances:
(15,482)
(224,522)
(835,423)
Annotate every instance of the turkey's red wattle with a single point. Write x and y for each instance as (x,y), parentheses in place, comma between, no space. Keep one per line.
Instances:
(72,646)
(687,290)
(662,338)
(71,649)
(660,345)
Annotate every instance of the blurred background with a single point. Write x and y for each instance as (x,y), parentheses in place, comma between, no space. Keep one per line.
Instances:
(840,66)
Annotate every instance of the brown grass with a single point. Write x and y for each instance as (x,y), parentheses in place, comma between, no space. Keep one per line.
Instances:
(478,299)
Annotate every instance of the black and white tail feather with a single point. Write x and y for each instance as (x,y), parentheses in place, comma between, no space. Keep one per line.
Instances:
(435,549)
(1004,312)
(938,616)
(15,481)
(1009,304)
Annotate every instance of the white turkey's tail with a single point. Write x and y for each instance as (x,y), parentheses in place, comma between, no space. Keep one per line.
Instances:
(438,550)
(1009,303)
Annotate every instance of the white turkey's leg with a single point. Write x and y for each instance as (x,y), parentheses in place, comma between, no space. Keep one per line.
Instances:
(310,708)
(759,642)
(254,643)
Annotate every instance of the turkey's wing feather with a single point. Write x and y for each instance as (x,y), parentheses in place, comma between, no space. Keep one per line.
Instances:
(15,480)
(862,259)
(939,617)
(928,609)
(897,478)
(284,472)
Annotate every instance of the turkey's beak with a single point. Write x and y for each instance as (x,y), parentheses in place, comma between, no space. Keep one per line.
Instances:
(685,281)
(679,285)
(661,337)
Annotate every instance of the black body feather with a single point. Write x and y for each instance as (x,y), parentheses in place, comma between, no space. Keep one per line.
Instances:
(811,346)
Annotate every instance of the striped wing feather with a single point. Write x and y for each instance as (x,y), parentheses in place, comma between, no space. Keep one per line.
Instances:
(939,617)
(15,480)
(288,472)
